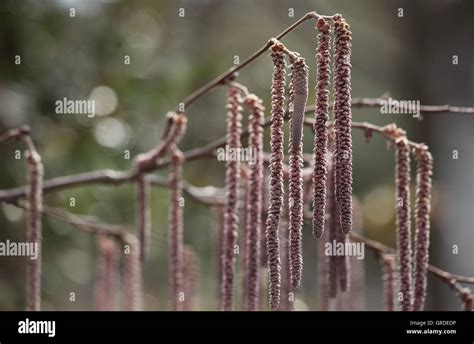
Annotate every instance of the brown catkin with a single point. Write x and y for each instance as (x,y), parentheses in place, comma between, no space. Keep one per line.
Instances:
(107,277)
(176,231)
(254,206)
(298,99)
(333,227)
(231,217)
(191,278)
(299,95)
(424,170)
(389,282)
(276,176)
(218,225)
(34,195)
(320,128)
(287,290)
(143,214)
(244,194)
(354,299)
(404,250)
(343,121)
(343,263)
(323,270)
(131,274)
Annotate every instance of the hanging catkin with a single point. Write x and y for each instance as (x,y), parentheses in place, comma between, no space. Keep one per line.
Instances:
(389,275)
(323,270)
(276,176)
(299,95)
(342,121)
(176,232)
(218,225)
(131,274)
(107,268)
(245,196)
(287,290)
(333,226)
(320,128)
(191,278)
(254,205)
(287,293)
(231,220)
(354,298)
(143,214)
(404,250)
(424,170)
(343,266)
(34,195)
(327,266)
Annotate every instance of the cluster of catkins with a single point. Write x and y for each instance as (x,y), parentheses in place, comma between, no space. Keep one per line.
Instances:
(340,183)
(252,207)
(413,265)
(341,158)
(332,206)
(331,197)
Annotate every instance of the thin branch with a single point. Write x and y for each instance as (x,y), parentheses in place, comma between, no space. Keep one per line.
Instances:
(451,279)
(206,194)
(424,109)
(111,177)
(222,78)
(231,72)
(15,133)
(81,223)
(34,196)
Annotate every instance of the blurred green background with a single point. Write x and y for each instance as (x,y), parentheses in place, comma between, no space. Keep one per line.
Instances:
(82,57)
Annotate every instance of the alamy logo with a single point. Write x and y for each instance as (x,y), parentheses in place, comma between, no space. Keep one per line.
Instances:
(19,249)
(37,327)
(236,154)
(393,106)
(71,107)
(338,248)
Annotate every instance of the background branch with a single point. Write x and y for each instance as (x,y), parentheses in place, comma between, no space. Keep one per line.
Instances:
(115,178)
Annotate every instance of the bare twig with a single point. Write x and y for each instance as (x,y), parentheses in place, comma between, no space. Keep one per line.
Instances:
(34,196)
(111,177)
(451,279)
(80,222)
(231,72)
(15,133)
(106,274)
(424,109)
(143,215)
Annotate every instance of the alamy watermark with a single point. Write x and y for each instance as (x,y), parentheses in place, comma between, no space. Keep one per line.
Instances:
(394,106)
(28,326)
(339,248)
(19,249)
(236,154)
(72,107)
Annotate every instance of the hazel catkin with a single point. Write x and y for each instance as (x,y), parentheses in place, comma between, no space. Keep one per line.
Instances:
(320,128)
(343,121)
